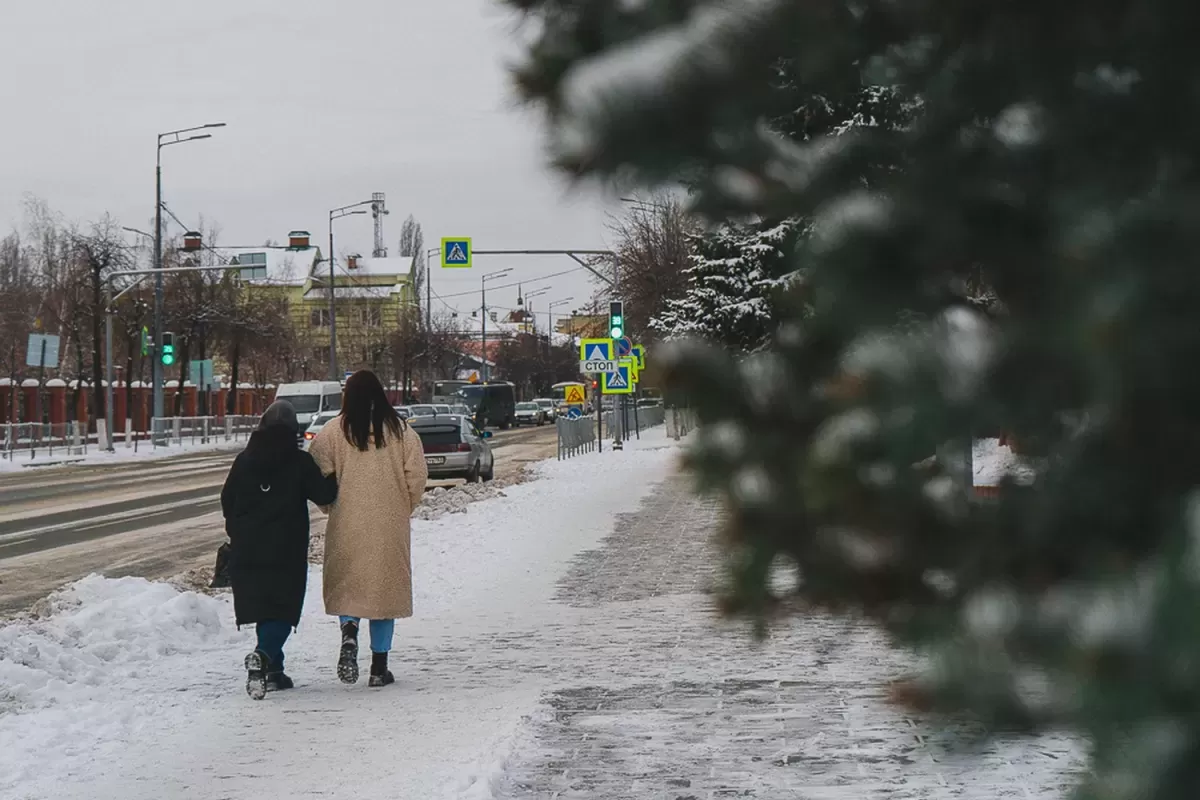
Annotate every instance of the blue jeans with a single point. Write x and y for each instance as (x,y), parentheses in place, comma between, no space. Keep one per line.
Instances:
(272,635)
(382,631)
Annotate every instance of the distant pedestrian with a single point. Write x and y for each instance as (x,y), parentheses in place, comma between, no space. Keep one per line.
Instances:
(381,473)
(265,503)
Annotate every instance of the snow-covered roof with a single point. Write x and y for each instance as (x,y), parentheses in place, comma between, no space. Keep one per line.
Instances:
(392,265)
(355,292)
(283,266)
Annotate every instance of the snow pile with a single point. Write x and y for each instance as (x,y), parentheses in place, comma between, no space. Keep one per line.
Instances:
(95,631)
(102,636)
(442,500)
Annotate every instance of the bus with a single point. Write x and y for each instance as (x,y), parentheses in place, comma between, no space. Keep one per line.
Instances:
(447,392)
(492,403)
(558,393)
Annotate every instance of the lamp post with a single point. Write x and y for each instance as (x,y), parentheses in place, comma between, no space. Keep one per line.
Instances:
(529,309)
(550,315)
(337,213)
(165,140)
(483,365)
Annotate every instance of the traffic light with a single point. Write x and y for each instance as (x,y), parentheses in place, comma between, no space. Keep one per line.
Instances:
(616,320)
(168,348)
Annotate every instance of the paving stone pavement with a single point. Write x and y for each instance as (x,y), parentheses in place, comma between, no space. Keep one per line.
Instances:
(655,697)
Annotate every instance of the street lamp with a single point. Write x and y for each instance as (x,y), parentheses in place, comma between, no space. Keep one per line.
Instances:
(529,307)
(337,213)
(487,276)
(550,315)
(165,140)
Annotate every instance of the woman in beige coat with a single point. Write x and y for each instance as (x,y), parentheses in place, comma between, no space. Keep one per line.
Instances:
(381,473)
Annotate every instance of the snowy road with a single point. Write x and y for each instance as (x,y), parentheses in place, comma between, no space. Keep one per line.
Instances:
(150,520)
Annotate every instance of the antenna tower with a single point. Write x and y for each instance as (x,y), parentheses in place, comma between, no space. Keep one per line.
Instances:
(378,212)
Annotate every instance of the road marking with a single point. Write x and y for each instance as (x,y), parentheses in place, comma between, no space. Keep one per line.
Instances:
(120,516)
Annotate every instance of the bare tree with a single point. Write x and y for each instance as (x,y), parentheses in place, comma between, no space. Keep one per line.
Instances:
(654,245)
(101,251)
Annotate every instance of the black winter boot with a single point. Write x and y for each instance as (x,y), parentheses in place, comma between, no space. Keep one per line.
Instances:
(256,674)
(380,675)
(347,666)
(279,681)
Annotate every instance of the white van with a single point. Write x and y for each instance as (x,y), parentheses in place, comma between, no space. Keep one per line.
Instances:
(311,398)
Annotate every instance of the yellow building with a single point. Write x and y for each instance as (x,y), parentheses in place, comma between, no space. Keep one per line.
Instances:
(371,297)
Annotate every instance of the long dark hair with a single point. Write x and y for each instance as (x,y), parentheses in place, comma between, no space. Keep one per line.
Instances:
(366,412)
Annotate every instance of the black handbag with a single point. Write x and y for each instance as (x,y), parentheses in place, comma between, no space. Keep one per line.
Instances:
(221,579)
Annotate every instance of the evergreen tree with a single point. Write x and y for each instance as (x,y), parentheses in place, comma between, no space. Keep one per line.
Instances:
(737,271)
(1055,161)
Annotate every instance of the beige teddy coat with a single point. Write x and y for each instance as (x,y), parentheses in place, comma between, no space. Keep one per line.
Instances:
(368,564)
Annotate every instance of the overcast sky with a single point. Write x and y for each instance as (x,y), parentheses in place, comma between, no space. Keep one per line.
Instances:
(325,104)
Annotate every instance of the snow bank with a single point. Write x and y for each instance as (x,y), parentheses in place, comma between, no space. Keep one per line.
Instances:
(69,681)
(97,457)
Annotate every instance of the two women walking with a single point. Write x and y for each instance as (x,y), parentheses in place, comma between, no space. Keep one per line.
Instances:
(367,471)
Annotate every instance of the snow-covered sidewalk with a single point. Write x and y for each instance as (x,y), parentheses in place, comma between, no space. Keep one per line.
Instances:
(132,689)
(564,647)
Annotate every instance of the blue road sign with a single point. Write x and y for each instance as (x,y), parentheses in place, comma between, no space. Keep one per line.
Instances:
(618,382)
(596,350)
(574,412)
(624,346)
(456,253)
(42,351)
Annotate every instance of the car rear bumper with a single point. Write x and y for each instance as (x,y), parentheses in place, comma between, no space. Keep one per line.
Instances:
(450,464)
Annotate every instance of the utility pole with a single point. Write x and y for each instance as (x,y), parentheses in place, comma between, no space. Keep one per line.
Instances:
(483,365)
(165,140)
(337,213)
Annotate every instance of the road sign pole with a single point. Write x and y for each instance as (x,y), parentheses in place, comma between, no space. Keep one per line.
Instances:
(599,423)
(108,370)
(41,400)
(637,426)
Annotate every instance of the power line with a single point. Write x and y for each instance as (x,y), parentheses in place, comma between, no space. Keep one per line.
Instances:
(518,283)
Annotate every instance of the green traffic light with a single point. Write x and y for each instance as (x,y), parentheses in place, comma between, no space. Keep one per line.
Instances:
(168,356)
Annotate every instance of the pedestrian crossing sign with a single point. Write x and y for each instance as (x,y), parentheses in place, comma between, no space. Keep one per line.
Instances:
(596,350)
(619,382)
(456,253)
(639,352)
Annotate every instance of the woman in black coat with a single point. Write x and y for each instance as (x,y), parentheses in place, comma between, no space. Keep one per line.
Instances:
(265,503)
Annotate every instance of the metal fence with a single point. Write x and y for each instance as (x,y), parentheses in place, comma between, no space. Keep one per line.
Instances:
(168,431)
(575,436)
(632,421)
(31,439)
(680,422)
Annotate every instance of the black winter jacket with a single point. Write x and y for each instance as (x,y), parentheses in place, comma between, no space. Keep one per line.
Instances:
(265,503)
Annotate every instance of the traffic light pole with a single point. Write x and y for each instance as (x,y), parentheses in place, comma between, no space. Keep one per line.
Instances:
(156,365)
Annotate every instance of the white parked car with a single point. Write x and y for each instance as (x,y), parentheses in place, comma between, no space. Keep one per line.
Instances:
(314,427)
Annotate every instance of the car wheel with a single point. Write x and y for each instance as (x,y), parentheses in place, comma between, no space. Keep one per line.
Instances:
(491,471)
(473,474)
